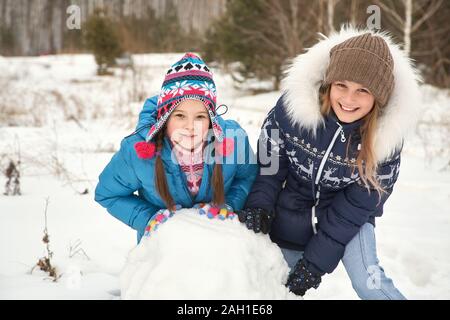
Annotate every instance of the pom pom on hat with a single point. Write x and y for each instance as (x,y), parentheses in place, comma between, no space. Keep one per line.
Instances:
(145,150)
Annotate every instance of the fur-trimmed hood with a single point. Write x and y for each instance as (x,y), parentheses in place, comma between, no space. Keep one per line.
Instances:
(307,72)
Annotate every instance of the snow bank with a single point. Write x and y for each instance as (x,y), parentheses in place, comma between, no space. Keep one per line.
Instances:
(193,257)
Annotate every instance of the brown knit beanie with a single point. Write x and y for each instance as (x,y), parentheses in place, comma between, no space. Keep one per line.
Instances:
(364,59)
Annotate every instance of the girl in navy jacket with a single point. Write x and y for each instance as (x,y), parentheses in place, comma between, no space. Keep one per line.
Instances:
(329,156)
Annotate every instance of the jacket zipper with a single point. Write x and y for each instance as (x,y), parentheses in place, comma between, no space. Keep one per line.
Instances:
(183,177)
(338,132)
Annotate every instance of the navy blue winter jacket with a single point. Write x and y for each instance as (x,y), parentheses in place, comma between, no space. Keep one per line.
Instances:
(344,203)
(317,180)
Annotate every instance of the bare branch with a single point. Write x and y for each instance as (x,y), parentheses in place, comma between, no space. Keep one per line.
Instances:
(430,12)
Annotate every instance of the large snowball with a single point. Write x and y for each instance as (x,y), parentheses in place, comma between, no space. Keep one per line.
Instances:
(193,257)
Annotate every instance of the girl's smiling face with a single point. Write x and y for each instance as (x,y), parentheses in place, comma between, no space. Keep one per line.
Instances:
(350,101)
(188,124)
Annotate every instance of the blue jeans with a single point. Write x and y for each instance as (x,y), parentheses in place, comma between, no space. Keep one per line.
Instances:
(362,265)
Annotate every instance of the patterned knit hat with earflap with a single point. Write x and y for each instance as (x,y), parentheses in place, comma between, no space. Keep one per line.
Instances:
(188,78)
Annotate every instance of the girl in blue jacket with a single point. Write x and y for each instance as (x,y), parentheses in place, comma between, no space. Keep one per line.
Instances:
(329,155)
(182,153)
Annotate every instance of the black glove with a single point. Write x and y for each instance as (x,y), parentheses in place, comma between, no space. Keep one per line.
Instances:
(256,219)
(301,279)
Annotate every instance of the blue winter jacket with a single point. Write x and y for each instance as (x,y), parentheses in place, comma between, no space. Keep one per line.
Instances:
(338,201)
(126,187)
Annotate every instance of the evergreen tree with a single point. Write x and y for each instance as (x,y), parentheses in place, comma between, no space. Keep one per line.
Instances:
(237,37)
(100,36)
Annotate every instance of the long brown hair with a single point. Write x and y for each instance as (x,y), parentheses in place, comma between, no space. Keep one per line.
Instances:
(366,161)
(216,180)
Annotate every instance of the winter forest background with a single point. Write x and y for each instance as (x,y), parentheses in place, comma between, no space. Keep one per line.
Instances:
(74,75)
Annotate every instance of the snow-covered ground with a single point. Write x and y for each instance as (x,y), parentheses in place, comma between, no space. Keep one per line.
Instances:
(65,122)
